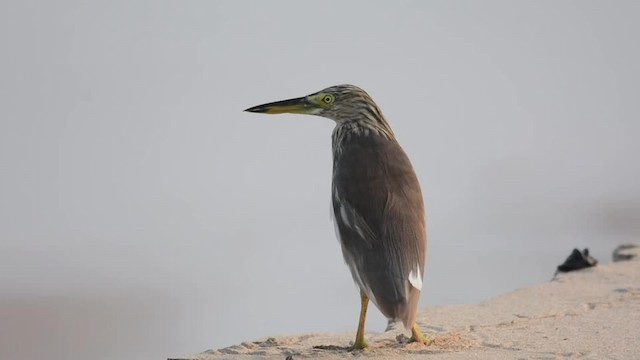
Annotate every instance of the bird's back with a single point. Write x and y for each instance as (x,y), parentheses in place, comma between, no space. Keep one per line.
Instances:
(379,216)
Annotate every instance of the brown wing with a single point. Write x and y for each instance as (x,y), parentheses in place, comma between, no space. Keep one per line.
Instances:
(379,214)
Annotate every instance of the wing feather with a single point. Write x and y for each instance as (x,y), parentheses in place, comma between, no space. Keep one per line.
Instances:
(379,214)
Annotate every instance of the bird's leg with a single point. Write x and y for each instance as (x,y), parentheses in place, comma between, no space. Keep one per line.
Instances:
(360,343)
(417,336)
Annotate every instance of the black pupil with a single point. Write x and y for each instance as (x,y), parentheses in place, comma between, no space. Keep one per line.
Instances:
(327,99)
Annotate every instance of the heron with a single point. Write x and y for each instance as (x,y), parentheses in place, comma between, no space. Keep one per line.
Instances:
(378,208)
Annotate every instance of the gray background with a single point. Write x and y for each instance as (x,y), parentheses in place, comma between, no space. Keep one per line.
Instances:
(144,215)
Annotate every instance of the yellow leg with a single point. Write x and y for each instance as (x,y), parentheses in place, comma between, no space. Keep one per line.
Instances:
(360,343)
(417,336)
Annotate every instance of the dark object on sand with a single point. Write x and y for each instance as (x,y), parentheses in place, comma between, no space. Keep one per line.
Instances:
(622,253)
(577,260)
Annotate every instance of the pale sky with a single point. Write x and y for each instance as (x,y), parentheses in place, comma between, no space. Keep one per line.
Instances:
(143,214)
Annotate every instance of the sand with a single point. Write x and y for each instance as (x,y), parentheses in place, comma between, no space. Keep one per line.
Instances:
(592,313)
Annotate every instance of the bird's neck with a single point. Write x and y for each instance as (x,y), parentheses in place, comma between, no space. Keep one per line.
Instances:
(346,131)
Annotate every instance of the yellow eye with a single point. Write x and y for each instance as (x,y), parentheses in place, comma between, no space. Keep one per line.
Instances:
(327,99)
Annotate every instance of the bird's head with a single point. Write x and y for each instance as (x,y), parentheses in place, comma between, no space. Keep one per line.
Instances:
(340,103)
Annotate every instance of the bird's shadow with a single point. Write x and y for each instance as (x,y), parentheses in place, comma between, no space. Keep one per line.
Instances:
(400,340)
(333,348)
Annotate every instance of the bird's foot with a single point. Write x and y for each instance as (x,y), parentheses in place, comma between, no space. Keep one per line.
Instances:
(417,336)
(358,345)
(423,340)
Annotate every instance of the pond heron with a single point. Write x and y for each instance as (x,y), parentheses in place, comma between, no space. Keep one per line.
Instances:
(378,208)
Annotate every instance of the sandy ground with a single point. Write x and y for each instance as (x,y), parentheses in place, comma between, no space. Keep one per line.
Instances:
(588,314)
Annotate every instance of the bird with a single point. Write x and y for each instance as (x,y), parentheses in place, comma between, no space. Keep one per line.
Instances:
(377,203)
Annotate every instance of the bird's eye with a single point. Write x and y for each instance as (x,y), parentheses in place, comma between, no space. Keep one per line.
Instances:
(327,99)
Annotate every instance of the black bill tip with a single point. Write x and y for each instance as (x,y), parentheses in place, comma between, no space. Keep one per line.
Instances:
(257,109)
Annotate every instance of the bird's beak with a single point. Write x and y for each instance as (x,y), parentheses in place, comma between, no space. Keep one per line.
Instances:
(300,105)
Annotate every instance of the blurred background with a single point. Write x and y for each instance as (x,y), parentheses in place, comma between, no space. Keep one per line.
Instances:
(144,215)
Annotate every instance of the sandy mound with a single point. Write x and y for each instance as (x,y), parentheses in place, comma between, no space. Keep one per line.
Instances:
(589,314)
